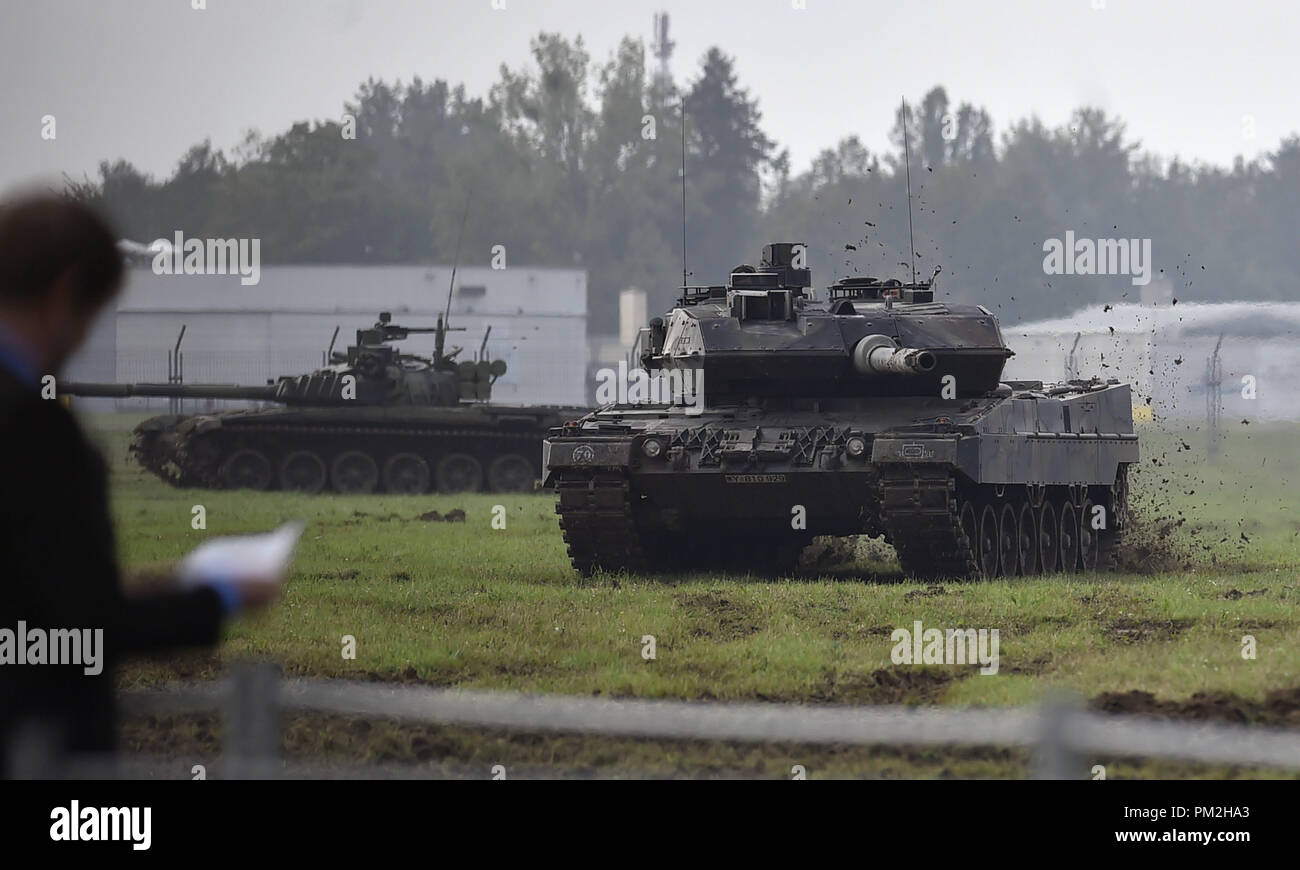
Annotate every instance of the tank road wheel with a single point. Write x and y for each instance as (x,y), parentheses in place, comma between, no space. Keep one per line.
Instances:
(1089,539)
(1069,537)
(353,472)
(459,472)
(1008,541)
(988,541)
(970,524)
(303,471)
(511,473)
(406,474)
(247,469)
(1028,528)
(1049,539)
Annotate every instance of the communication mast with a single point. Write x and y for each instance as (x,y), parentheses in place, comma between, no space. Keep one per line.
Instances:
(662,47)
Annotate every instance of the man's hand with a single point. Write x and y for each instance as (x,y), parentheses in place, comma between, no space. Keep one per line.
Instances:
(257,592)
(248,571)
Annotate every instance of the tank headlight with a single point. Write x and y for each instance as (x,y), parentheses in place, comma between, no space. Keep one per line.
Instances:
(652,447)
(856,446)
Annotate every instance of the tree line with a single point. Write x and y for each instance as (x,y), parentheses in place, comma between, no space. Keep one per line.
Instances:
(563,172)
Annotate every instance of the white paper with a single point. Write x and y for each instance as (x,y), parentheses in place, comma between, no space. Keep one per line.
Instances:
(247,557)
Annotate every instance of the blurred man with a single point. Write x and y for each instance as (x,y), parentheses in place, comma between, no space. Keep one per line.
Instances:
(61,597)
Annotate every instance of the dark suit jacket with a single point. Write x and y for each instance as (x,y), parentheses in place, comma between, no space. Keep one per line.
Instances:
(58,569)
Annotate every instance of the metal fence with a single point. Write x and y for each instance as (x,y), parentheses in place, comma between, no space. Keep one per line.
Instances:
(1060,732)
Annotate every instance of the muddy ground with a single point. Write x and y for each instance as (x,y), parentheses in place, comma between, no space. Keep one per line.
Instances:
(327,746)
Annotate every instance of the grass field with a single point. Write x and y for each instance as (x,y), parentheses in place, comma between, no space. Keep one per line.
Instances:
(462,604)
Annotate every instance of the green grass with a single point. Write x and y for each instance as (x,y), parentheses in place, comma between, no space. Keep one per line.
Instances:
(462,604)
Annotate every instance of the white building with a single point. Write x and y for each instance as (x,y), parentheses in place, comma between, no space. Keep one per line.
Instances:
(1164,351)
(238,334)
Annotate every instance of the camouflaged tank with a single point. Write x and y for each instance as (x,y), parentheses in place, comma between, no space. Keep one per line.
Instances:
(374,419)
(872,410)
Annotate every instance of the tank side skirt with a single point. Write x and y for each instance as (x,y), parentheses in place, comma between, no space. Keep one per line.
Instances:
(1049,459)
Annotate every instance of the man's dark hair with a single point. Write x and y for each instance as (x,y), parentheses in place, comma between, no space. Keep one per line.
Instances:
(44,237)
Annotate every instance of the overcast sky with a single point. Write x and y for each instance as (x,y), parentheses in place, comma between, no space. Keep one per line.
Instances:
(145,79)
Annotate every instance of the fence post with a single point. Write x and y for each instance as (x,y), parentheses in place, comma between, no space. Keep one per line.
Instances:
(253,721)
(1056,758)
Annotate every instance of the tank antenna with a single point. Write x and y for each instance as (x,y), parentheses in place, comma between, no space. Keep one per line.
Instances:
(444,320)
(329,354)
(907,162)
(684,273)
(460,237)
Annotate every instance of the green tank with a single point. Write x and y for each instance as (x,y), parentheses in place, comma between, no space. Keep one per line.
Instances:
(874,409)
(374,419)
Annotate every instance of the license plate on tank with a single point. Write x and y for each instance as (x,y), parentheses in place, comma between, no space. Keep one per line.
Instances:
(754,478)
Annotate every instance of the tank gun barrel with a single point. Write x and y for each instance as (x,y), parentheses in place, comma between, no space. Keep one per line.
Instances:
(171,391)
(878,354)
(402,331)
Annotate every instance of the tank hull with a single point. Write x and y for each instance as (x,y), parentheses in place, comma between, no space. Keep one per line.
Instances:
(404,450)
(748,486)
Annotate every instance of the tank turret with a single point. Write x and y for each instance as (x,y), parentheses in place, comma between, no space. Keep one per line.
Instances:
(764,335)
(370,372)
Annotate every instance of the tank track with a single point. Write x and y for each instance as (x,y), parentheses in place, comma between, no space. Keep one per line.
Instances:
(180,466)
(921,515)
(920,518)
(603,533)
(598,525)
(919,512)
(1112,544)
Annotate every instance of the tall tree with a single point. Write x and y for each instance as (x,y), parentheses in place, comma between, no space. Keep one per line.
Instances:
(727,155)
